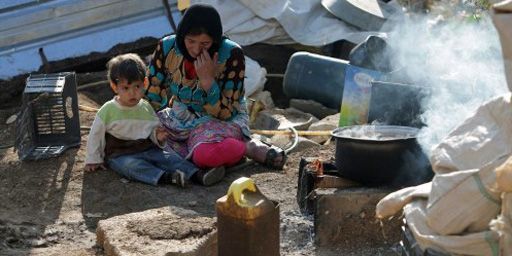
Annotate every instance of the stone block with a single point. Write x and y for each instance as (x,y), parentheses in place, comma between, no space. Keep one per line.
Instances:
(346,218)
(161,231)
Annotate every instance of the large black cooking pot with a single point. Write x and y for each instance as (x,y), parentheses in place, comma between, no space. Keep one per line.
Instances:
(381,155)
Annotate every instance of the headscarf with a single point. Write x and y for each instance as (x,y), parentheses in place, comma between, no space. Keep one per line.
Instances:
(201,16)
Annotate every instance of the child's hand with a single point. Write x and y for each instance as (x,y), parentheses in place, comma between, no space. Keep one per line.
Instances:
(161,134)
(94,167)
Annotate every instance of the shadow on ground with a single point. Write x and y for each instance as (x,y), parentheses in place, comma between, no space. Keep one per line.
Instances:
(31,197)
(106,194)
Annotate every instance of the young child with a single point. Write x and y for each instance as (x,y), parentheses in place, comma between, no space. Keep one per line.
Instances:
(126,134)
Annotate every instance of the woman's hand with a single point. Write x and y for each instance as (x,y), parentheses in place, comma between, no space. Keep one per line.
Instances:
(205,69)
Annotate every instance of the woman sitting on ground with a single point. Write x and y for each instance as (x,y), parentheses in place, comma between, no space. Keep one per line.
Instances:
(206,115)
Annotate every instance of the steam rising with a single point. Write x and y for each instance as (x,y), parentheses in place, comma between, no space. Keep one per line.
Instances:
(460,61)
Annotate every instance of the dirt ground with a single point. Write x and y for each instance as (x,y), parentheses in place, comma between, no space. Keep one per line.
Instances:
(52,207)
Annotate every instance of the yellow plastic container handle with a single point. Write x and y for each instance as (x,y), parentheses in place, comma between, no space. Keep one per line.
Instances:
(238,187)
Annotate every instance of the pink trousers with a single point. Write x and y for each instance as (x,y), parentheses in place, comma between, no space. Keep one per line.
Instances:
(225,153)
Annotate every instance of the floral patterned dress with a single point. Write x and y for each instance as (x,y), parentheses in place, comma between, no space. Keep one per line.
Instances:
(192,115)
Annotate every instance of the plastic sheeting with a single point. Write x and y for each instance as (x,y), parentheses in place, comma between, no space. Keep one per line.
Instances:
(478,243)
(79,31)
(283,21)
(256,77)
(502,17)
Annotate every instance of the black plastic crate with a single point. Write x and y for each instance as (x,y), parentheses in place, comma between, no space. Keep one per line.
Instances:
(49,122)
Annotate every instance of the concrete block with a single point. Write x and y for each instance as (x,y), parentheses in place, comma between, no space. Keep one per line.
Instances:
(161,231)
(331,181)
(346,218)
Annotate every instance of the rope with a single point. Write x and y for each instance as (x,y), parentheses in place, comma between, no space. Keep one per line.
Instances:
(285,132)
(275,75)
(295,140)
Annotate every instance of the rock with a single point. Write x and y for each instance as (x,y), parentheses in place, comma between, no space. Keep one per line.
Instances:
(28,231)
(11,119)
(160,231)
(327,124)
(294,227)
(265,97)
(50,232)
(52,239)
(258,102)
(38,242)
(283,119)
(310,106)
(285,141)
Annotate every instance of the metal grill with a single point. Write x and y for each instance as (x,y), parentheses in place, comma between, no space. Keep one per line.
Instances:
(49,122)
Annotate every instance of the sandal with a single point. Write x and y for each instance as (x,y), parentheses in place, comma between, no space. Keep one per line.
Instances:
(210,176)
(273,153)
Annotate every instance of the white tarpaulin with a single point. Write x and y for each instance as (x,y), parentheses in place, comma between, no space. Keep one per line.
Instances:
(477,243)
(502,17)
(282,21)
(246,22)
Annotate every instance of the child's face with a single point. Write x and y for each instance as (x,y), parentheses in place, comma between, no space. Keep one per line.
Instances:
(129,95)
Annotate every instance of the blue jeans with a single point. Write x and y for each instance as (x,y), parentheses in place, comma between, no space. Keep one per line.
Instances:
(149,166)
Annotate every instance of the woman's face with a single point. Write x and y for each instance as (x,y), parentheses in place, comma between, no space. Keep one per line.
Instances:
(195,44)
